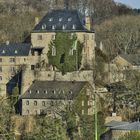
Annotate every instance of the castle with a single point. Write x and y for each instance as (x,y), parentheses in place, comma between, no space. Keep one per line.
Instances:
(28,64)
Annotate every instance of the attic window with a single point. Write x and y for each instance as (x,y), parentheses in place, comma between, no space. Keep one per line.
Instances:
(45,91)
(37,91)
(16,51)
(70,92)
(69,19)
(30,91)
(64,27)
(53,27)
(53,91)
(60,19)
(73,26)
(50,19)
(44,26)
(3,51)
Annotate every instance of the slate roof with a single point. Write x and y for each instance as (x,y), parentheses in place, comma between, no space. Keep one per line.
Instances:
(17,49)
(134,59)
(115,123)
(54,90)
(61,20)
(132,126)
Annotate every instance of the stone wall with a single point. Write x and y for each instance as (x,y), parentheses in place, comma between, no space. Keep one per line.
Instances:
(29,76)
(40,40)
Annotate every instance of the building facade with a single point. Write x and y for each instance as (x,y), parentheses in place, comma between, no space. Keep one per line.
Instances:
(30,61)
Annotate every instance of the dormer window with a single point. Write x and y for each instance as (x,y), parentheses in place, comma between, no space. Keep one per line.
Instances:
(73,26)
(50,19)
(60,19)
(70,92)
(44,26)
(37,91)
(3,51)
(69,19)
(30,91)
(16,51)
(53,27)
(53,91)
(64,27)
(45,91)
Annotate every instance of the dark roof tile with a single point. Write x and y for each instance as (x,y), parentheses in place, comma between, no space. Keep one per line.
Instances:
(53,90)
(18,49)
(61,20)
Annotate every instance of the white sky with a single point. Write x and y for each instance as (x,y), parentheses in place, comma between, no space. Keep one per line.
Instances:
(131,3)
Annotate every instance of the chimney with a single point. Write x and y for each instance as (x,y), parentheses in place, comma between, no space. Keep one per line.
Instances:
(88,22)
(36,20)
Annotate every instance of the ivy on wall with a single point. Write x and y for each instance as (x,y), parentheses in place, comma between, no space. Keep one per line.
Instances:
(65,52)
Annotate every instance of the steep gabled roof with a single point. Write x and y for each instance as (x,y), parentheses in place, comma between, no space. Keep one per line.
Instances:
(115,123)
(17,49)
(134,59)
(54,90)
(128,126)
(61,20)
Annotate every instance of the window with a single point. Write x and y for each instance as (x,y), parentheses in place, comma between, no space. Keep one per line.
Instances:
(50,19)
(0,69)
(82,103)
(43,103)
(52,103)
(73,26)
(29,91)
(32,67)
(45,91)
(0,78)
(35,103)
(27,102)
(37,91)
(24,59)
(3,51)
(12,59)
(53,91)
(60,19)
(39,37)
(64,27)
(53,37)
(82,112)
(53,51)
(89,103)
(0,59)
(43,26)
(12,69)
(71,51)
(16,51)
(53,27)
(69,19)
(89,111)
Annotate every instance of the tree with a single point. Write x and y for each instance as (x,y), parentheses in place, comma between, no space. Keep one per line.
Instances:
(65,52)
(6,130)
(117,35)
(47,128)
(135,135)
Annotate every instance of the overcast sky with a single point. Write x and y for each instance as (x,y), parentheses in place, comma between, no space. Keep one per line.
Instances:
(131,3)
